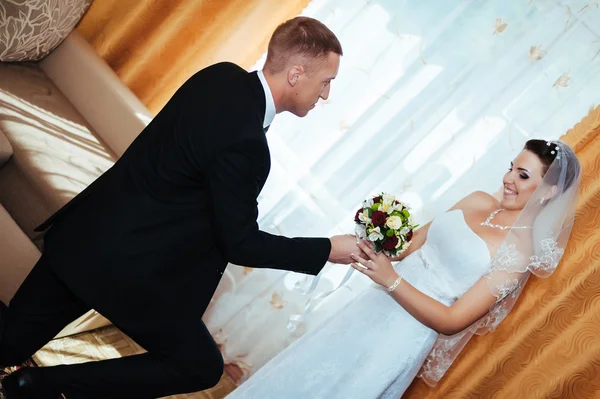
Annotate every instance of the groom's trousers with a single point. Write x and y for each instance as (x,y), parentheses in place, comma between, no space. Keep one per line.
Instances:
(185,360)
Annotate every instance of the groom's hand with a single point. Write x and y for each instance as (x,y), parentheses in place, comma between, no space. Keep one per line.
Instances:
(342,248)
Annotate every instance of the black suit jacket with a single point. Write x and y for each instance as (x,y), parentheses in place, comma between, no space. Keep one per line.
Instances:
(154,233)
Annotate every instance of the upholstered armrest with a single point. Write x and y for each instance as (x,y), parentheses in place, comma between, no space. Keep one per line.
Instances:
(113,111)
(5,149)
(18,256)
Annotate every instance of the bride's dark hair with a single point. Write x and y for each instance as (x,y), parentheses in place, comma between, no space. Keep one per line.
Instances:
(546,152)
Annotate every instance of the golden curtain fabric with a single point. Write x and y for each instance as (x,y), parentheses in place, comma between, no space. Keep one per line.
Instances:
(549,346)
(155,45)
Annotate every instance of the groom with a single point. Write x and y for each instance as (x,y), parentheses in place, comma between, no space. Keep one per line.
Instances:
(146,244)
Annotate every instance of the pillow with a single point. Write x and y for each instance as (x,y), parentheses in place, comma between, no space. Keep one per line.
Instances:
(5,149)
(31,29)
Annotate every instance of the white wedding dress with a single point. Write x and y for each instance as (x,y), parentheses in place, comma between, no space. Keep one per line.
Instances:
(373,348)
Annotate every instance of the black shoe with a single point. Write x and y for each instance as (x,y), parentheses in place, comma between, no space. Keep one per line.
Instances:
(25,383)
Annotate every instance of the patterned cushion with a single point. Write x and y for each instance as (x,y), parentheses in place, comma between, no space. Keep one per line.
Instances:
(30,29)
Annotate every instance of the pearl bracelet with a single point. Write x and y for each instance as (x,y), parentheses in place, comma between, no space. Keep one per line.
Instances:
(396,283)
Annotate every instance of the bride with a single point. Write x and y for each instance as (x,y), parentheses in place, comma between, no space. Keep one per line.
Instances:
(461,275)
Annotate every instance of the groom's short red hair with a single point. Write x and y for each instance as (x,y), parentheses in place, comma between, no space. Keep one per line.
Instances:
(301,36)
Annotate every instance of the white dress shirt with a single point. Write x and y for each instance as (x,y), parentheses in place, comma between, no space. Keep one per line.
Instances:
(270,110)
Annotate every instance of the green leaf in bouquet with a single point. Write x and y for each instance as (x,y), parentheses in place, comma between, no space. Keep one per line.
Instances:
(369,212)
(376,206)
(405,213)
(390,233)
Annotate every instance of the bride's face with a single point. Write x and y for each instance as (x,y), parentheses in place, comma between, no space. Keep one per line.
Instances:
(523,177)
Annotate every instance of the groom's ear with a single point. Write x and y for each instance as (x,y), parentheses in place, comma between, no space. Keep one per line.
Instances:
(294,74)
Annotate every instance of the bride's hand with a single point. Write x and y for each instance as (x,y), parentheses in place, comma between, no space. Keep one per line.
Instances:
(378,267)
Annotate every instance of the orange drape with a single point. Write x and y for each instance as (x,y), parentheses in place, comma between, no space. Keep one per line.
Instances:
(549,345)
(155,45)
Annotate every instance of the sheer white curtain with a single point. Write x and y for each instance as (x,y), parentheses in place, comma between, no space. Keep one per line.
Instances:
(432,101)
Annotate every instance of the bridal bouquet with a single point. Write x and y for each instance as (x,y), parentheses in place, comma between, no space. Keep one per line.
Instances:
(387,223)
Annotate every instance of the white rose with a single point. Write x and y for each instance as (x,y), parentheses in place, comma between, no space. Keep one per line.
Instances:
(375,234)
(394,222)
